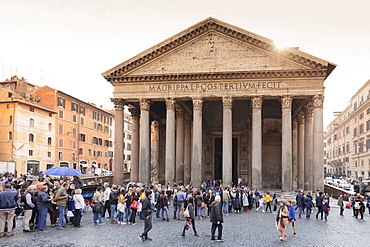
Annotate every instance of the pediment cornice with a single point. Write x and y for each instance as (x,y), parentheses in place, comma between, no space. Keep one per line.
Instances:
(214,25)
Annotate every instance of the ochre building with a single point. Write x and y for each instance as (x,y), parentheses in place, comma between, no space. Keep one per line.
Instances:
(227,105)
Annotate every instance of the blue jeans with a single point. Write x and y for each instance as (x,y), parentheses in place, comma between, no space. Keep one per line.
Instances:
(326,214)
(341,210)
(158,210)
(308,212)
(163,211)
(112,211)
(97,218)
(120,216)
(128,212)
(62,213)
(199,210)
(300,209)
(42,218)
(225,207)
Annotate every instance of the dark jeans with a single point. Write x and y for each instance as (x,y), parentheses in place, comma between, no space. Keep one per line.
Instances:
(54,215)
(77,217)
(213,230)
(106,208)
(147,226)
(359,211)
(133,215)
(192,225)
(341,210)
(268,206)
(319,212)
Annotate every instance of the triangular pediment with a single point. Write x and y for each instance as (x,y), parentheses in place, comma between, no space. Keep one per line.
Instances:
(212,46)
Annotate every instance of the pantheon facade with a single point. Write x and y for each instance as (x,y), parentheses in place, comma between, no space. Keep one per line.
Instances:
(224,103)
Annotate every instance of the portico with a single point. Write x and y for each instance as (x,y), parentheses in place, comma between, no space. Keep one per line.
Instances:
(225,101)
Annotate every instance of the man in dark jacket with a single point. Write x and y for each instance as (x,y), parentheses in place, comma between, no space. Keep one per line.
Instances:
(8,203)
(300,203)
(113,201)
(146,210)
(43,202)
(216,219)
(319,205)
(77,182)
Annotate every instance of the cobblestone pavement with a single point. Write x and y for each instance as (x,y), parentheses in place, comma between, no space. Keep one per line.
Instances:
(246,229)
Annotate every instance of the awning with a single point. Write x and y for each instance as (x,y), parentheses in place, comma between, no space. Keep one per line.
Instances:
(83,165)
(33,162)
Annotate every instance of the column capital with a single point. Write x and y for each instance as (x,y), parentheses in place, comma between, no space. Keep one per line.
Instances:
(179,112)
(145,104)
(170,104)
(308,110)
(318,101)
(257,102)
(119,103)
(134,111)
(227,102)
(301,118)
(197,103)
(286,102)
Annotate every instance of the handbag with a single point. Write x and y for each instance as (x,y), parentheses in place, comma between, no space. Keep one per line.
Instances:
(186,212)
(203,205)
(70,214)
(135,204)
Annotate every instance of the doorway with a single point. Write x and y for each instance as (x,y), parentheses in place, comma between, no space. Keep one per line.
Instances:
(218,159)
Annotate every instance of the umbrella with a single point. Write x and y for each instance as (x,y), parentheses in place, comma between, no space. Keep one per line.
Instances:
(62,171)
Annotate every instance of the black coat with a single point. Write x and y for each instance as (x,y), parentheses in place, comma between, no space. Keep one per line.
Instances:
(216,212)
(146,207)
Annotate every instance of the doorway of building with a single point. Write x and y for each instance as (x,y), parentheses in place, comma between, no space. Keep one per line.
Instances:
(218,159)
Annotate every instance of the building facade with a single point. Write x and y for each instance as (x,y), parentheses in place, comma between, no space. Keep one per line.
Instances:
(348,138)
(27,130)
(227,104)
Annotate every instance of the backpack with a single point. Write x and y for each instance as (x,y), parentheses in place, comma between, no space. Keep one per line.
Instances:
(357,205)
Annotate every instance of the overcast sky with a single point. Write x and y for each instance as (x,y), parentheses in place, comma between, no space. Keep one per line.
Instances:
(67,44)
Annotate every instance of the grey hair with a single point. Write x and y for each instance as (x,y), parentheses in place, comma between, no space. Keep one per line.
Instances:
(31,187)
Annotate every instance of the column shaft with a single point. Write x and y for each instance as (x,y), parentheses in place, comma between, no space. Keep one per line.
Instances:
(170,142)
(286,144)
(144,152)
(179,145)
(295,155)
(318,139)
(118,141)
(256,142)
(134,172)
(187,152)
(227,145)
(301,151)
(308,149)
(196,165)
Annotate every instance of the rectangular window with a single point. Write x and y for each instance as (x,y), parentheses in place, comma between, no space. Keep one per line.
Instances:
(347,148)
(61,102)
(60,155)
(61,114)
(94,115)
(74,118)
(49,154)
(32,109)
(82,120)
(74,107)
(361,115)
(361,129)
(82,110)
(61,129)
(74,132)
(81,151)
(30,152)
(60,143)
(347,129)
(100,117)
(128,157)
(111,154)
(82,137)
(128,146)
(74,156)
(73,145)
(89,152)
(354,132)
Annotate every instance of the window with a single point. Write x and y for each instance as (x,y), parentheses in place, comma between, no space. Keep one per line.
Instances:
(347,148)
(361,129)
(110,121)
(89,152)
(49,140)
(128,146)
(61,114)
(335,137)
(10,135)
(32,122)
(74,132)
(60,143)
(100,117)
(128,157)
(105,154)
(354,132)
(82,110)
(94,153)
(99,127)
(343,149)
(50,114)
(361,115)
(74,156)
(73,145)
(94,115)
(128,136)
(30,152)
(100,141)
(81,151)
(82,120)
(49,154)
(355,106)
(61,129)
(50,127)
(60,155)
(32,109)
(74,118)
(61,102)
(347,129)
(99,153)
(106,129)
(10,119)
(82,137)
(368,111)
(111,154)
(31,138)
(74,107)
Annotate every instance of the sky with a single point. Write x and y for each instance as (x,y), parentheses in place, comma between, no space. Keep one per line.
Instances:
(67,44)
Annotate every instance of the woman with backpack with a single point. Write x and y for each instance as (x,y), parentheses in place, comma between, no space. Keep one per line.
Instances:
(325,208)
(189,218)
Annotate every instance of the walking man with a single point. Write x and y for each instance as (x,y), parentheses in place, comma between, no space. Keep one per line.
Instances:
(341,205)
(61,200)
(216,219)
(8,203)
(147,212)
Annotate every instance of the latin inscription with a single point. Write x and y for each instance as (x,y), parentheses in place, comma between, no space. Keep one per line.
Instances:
(215,86)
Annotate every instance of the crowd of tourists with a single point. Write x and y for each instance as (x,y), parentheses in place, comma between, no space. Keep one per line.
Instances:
(61,199)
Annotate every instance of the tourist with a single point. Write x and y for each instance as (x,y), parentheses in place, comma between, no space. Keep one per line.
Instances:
(54,211)
(163,201)
(134,198)
(282,220)
(300,203)
(291,217)
(268,202)
(216,219)
(113,201)
(326,208)
(98,207)
(175,205)
(341,205)
(180,203)
(198,204)
(8,204)
(274,203)
(256,197)
(106,195)
(29,201)
(189,219)
(245,200)
(359,206)
(225,201)
(309,205)
(147,212)
(43,201)
(237,202)
(61,200)
(79,206)
(121,206)
(319,200)
(77,182)
(260,203)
